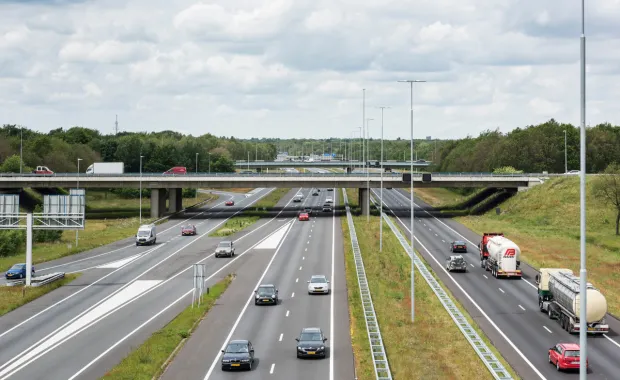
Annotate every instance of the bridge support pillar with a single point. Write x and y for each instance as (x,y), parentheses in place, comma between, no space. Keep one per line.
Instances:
(175,200)
(363,201)
(158,202)
(348,168)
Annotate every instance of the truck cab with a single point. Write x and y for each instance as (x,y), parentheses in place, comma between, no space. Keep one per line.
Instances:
(42,170)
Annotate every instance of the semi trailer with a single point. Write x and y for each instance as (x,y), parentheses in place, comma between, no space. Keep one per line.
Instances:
(503,257)
(559,297)
(106,168)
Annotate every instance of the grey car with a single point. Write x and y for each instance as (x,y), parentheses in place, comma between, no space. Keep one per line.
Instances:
(226,248)
(456,263)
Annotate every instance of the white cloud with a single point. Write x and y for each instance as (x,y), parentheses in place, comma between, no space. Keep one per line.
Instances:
(298,67)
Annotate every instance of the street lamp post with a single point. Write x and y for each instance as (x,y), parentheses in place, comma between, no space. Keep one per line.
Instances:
(565,154)
(209,162)
(381,194)
(78,187)
(141,189)
(583,342)
(21,151)
(411,82)
(196,195)
(367,171)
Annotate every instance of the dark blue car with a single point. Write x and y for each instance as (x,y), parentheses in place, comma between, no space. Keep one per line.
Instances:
(17,271)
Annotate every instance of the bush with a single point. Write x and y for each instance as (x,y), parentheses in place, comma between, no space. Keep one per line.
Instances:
(11,242)
(45,236)
(131,193)
(189,193)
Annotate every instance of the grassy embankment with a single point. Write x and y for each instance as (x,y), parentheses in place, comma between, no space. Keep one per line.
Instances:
(414,351)
(544,222)
(149,359)
(439,197)
(252,214)
(12,297)
(97,231)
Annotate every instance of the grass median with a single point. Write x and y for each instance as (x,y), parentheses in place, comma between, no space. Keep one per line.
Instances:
(234,225)
(270,200)
(149,359)
(431,348)
(12,297)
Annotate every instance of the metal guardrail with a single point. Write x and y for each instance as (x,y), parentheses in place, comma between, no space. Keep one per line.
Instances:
(379,357)
(150,176)
(39,280)
(486,355)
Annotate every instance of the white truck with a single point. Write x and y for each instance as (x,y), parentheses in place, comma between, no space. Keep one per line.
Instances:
(147,235)
(559,297)
(504,257)
(106,168)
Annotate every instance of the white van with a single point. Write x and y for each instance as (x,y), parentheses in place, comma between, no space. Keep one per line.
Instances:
(147,235)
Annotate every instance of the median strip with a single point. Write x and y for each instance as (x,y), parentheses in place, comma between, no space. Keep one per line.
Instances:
(12,297)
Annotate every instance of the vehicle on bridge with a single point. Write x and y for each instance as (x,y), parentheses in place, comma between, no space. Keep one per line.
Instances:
(230,203)
(303,216)
(177,170)
(504,257)
(311,343)
(147,235)
(266,294)
(456,262)
(189,230)
(18,271)
(106,168)
(42,170)
(225,248)
(558,296)
(458,246)
(566,356)
(238,354)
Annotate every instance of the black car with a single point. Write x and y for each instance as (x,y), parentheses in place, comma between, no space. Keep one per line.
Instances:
(308,210)
(330,189)
(311,343)
(458,246)
(237,355)
(266,295)
(315,192)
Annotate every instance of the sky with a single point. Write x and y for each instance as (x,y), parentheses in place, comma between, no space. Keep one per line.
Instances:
(297,68)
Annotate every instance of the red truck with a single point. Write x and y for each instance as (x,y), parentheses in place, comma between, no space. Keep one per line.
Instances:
(42,170)
(484,252)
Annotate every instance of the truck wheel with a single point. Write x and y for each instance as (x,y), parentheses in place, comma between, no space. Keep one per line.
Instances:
(541,305)
(549,312)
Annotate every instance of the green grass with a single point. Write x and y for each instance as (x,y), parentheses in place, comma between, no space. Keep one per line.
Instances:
(12,297)
(271,199)
(234,225)
(241,190)
(100,202)
(414,350)
(146,361)
(544,222)
(439,197)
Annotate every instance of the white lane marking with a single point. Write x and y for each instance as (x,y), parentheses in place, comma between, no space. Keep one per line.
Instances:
(119,263)
(308,242)
(299,268)
(303,257)
(274,240)
(443,240)
(287,312)
(272,367)
(547,329)
(250,299)
(501,290)
(309,236)
(436,235)
(485,276)
(293,295)
(297,280)
(611,340)
(522,308)
(331,304)
(133,290)
(281,335)
(306,250)
(472,265)
(514,347)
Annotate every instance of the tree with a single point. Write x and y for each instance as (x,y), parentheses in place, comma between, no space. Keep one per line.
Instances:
(607,188)
(11,165)
(507,170)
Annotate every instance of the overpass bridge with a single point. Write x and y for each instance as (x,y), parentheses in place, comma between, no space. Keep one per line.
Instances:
(168,187)
(345,165)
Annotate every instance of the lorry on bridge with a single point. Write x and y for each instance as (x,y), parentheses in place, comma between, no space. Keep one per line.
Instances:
(503,257)
(106,168)
(559,297)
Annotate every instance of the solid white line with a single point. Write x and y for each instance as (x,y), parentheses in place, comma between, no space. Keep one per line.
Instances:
(287,312)
(250,298)
(547,329)
(485,276)
(272,367)
(611,340)
(522,308)
(293,295)
(331,305)
(500,289)
(281,335)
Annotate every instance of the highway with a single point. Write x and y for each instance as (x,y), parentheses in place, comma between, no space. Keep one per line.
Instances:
(288,261)
(506,310)
(124,295)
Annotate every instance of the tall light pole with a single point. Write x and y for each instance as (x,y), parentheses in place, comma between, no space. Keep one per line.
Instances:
(141,189)
(196,195)
(367,172)
(411,82)
(209,162)
(21,151)
(565,154)
(583,342)
(78,187)
(248,160)
(363,134)
(381,195)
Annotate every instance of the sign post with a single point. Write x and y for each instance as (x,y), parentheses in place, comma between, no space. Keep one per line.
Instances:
(199,283)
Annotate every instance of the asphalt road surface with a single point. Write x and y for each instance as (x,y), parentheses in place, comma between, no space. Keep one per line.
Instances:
(303,249)
(507,309)
(82,330)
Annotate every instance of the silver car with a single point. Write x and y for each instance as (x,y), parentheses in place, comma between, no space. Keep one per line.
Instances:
(318,284)
(457,263)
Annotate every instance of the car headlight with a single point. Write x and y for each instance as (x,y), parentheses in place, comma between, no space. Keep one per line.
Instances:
(321,348)
(273,296)
(225,361)
(245,361)
(257,296)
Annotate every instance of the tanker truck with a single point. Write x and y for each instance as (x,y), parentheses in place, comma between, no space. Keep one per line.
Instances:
(503,258)
(558,296)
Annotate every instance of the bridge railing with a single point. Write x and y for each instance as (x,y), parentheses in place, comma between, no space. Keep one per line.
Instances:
(286,174)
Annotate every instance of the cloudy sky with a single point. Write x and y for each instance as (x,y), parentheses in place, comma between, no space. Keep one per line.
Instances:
(296,68)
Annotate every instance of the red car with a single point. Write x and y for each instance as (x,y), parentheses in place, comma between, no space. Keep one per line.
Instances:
(188,230)
(230,203)
(304,216)
(176,170)
(565,356)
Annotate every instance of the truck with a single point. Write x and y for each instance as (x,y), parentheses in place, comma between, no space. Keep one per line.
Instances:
(106,168)
(559,297)
(503,258)
(42,170)
(484,253)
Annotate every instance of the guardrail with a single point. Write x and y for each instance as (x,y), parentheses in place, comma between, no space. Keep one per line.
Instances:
(39,280)
(379,357)
(486,355)
(149,176)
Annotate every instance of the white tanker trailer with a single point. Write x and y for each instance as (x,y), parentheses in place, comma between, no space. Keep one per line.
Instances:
(504,257)
(558,296)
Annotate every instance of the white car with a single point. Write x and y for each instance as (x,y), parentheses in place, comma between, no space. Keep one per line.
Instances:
(329,200)
(318,284)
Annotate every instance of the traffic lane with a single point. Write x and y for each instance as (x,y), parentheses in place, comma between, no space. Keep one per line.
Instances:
(124,318)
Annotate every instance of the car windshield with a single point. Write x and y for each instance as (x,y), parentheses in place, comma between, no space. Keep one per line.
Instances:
(571,354)
(458,261)
(266,291)
(18,266)
(224,244)
(237,348)
(459,243)
(317,280)
(310,337)
(144,233)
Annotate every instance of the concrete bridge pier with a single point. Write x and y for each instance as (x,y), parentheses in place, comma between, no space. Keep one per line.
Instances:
(175,200)
(363,201)
(158,202)
(349,170)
